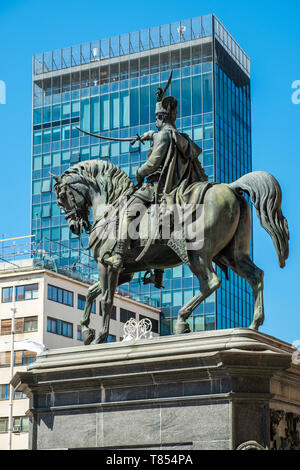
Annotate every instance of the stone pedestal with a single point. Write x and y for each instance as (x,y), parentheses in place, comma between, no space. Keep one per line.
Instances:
(208,390)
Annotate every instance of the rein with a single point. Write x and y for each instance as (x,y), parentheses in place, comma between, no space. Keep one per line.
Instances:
(81,215)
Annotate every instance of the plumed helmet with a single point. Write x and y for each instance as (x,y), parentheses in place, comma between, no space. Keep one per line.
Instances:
(167,105)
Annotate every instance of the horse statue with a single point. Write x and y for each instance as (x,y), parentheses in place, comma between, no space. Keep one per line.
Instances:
(96,184)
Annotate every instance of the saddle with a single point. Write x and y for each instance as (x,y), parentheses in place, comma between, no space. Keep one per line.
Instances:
(160,224)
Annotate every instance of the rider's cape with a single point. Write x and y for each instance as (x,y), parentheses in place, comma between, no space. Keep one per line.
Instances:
(185,181)
(174,166)
(179,180)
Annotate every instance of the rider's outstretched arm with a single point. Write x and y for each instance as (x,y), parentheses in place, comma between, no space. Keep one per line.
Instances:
(157,156)
(148,135)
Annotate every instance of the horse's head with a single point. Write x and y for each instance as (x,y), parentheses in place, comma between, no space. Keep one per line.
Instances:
(90,182)
(73,198)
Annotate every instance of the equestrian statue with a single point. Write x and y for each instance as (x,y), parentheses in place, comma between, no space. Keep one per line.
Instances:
(171,180)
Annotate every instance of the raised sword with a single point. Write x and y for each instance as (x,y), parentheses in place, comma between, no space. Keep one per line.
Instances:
(132,140)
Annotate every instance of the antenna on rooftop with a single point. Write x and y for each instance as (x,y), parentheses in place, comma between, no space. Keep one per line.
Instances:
(181,30)
(95,53)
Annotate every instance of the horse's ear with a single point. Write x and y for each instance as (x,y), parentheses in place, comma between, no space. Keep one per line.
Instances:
(57,178)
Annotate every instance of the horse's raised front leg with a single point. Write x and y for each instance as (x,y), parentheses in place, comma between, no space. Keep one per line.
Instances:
(208,283)
(88,334)
(108,277)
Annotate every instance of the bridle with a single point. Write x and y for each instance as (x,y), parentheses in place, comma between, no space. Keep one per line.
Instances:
(79,215)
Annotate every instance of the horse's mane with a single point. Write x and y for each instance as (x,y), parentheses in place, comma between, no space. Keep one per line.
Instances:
(104,175)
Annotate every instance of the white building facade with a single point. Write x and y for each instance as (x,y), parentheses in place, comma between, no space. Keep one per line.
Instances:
(48,308)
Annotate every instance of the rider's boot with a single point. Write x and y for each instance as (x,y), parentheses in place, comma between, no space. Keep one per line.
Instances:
(156,278)
(116,260)
(123,243)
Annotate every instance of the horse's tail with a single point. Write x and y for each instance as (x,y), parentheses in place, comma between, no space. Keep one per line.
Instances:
(266,196)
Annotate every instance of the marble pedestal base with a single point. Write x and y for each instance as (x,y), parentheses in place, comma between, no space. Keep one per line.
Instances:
(209,390)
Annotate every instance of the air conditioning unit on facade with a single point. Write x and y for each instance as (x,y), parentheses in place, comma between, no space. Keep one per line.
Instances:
(17,429)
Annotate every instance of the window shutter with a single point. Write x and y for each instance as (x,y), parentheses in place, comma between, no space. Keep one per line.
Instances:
(18,357)
(28,357)
(5,327)
(19,325)
(4,359)
(29,354)
(31,287)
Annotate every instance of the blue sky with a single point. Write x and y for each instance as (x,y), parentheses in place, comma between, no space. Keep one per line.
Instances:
(269,33)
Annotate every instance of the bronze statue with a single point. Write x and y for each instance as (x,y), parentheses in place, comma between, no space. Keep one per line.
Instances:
(174,179)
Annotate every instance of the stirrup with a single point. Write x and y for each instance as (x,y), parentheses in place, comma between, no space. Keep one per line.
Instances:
(148,279)
(158,283)
(113,263)
(152,279)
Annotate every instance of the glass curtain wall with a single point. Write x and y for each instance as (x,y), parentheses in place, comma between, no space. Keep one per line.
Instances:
(118,100)
(233,159)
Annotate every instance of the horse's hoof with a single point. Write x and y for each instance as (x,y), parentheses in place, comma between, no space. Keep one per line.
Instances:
(100,339)
(254,326)
(88,334)
(182,327)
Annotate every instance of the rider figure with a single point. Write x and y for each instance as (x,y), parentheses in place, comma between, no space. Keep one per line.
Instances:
(172,160)
(151,169)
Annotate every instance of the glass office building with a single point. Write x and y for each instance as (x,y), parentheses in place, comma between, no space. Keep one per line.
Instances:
(108,87)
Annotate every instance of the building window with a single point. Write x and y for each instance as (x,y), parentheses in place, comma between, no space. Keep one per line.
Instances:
(27,292)
(111,339)
(21,424)
(4,392)
(60,295)
(3,424)
(46,185)
(125,315)
(198,323)
(30,324)
(22,325)
(81,303)
(59,327)
(210,322)
(19,395)
(22,358)
(46,210)
(79,333)
(154,323)
(7,294)
(113,314)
